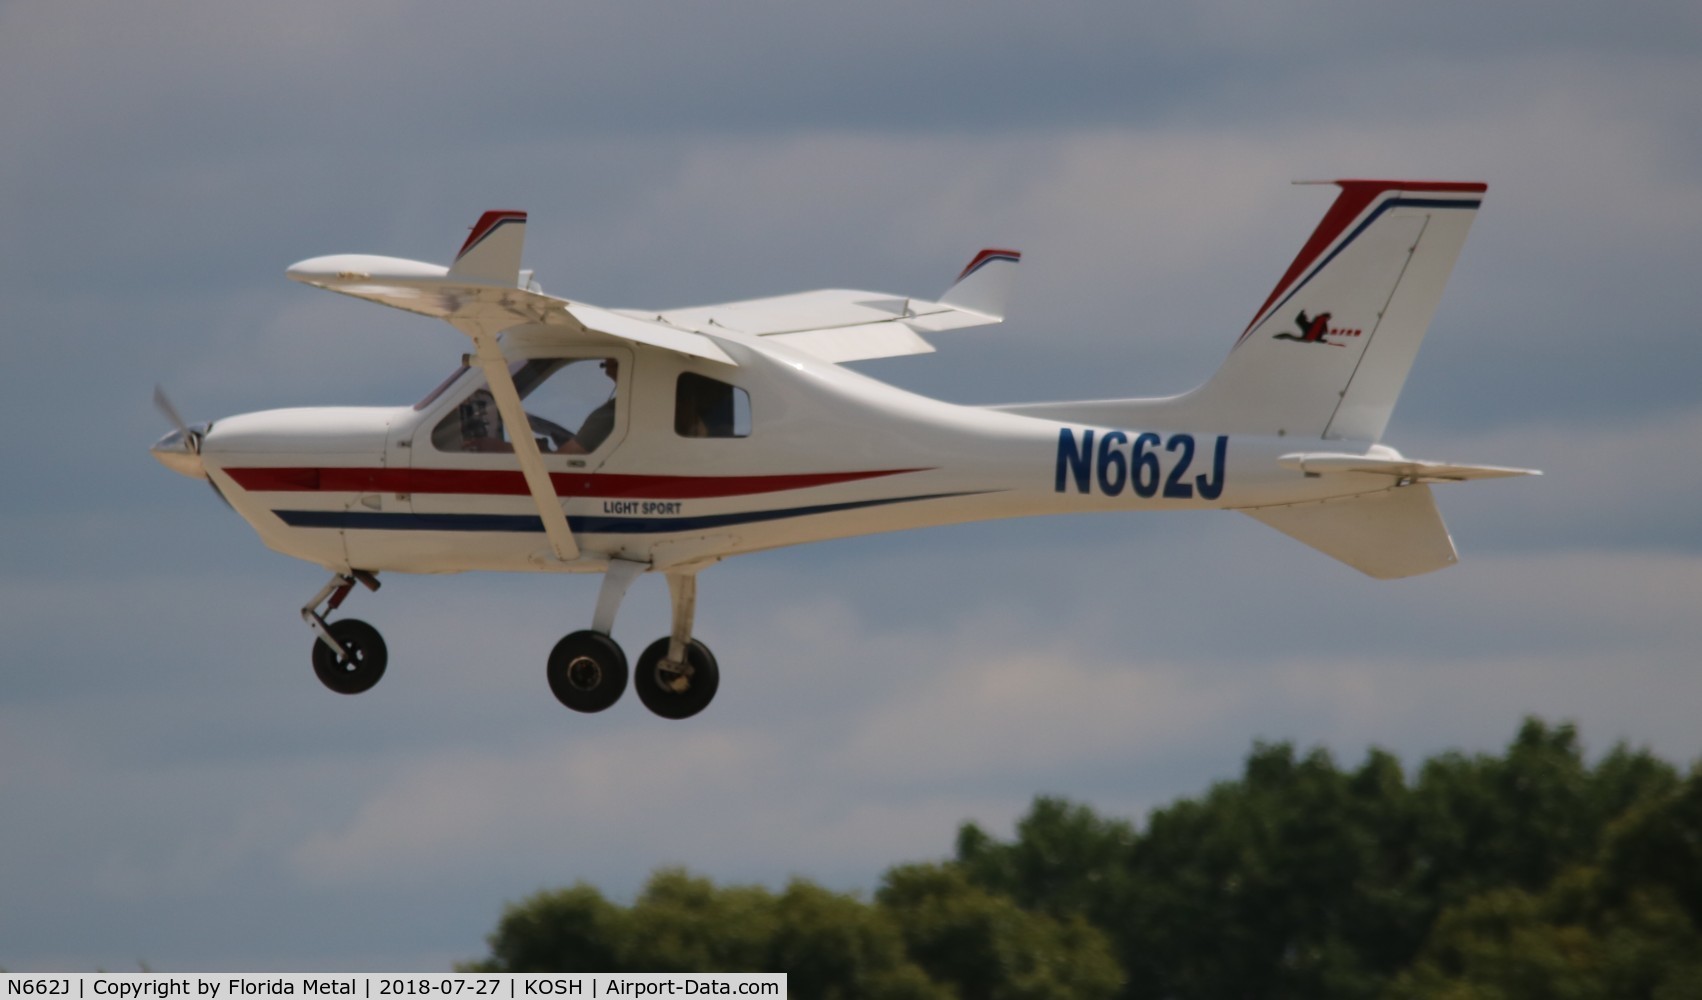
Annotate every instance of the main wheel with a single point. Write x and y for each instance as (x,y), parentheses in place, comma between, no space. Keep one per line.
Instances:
(673,693)
(587,671)
(364,665)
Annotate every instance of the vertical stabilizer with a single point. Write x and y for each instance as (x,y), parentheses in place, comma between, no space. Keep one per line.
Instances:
(1328,352)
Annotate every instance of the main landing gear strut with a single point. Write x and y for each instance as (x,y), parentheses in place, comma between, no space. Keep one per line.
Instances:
(676,678)
(677,675)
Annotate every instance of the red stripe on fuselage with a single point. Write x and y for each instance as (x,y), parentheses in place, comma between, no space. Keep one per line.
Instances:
(483,482)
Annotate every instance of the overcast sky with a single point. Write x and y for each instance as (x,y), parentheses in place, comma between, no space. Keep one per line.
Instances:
(177,788)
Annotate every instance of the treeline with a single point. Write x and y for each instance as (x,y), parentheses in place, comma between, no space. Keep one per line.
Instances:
(1528,874)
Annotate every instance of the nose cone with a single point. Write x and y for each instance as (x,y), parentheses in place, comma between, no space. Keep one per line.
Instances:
(180,451)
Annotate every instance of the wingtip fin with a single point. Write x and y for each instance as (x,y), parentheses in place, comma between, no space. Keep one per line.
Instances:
(984,285)
(492,251)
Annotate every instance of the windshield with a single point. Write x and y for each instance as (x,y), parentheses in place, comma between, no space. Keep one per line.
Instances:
(431,397)
(570,409)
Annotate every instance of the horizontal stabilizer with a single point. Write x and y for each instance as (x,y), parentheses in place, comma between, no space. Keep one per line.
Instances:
(1387,535)
(1315,463)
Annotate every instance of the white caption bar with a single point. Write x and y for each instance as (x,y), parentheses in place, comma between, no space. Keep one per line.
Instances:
(382,986)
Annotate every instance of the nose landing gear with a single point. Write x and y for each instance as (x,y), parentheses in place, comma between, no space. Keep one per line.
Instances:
(349,656)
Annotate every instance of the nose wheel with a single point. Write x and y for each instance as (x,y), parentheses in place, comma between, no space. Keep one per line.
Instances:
(349,656)
(361,663)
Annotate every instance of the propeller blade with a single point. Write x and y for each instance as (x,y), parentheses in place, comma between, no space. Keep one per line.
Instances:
(162,403)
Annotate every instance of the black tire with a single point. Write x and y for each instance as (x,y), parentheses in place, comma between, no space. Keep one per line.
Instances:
(587,671)
(657,688)
(364,665)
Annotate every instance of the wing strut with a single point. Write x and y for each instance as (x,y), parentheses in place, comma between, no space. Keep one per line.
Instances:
(495,366)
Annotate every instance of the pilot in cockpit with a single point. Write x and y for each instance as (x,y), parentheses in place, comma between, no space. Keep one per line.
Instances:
(477,426)
(599,422)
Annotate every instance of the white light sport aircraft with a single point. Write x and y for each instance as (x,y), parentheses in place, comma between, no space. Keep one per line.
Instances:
(588,440)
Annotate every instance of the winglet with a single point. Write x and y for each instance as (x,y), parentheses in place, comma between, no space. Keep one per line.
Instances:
(984,286)
(491,254)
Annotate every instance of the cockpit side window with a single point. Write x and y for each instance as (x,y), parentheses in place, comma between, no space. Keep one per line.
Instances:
(706,407)
(570,409)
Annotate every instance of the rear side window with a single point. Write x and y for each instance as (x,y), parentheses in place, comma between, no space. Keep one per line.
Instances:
(706,407)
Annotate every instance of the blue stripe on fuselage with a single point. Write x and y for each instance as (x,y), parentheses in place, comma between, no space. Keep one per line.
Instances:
(581,525)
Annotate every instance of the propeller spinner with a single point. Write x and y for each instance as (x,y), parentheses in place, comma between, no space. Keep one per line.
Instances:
(180,450)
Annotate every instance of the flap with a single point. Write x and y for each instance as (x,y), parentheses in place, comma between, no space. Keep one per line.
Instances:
(835,324)
(641,331)
(857,343)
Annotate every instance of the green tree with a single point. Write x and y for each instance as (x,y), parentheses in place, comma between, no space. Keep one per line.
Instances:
(683,923)
(1658,842)
(1626,926)
(560,930)
(834,946)
(1569,943)
(1529,873)
(986,946)
(1065,860)
(1303,879)
(831,945)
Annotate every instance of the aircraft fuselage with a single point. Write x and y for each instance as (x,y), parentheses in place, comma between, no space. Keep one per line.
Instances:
(828,454)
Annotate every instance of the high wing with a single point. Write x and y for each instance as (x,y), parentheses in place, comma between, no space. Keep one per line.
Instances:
(432,290)
(848,325)
(482,292)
